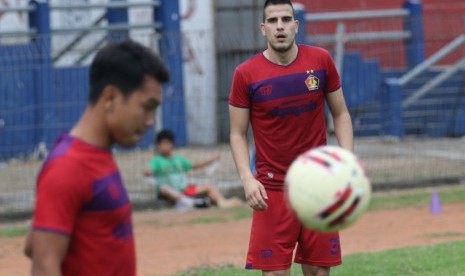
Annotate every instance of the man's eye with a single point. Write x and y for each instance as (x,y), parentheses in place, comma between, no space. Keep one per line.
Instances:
(150,107)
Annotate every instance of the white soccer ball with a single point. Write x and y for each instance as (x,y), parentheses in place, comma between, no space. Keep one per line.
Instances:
(327,188)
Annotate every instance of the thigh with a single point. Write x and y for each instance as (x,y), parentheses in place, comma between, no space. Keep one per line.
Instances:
(318,249)
(273,235)
(169,192)
(202,188)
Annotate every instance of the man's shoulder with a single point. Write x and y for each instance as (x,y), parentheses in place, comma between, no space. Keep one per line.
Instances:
(251,63)
(313,50)
(70,158)
(69,149)
(63,173)
(64,162)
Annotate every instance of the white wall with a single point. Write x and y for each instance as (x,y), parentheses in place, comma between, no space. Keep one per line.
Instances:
(199,70)
(13,21)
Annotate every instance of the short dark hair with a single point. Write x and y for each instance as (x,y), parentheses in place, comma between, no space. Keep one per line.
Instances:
(276,2)
(164,134)
(124,64)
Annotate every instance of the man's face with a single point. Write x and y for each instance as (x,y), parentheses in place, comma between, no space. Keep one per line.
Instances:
(279,27)
(130,117)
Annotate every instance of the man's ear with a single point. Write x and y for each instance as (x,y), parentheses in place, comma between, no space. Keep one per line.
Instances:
(262,29)
(109,96)
(297,24)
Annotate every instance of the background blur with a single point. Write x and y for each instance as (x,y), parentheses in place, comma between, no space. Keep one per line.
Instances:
(401,63)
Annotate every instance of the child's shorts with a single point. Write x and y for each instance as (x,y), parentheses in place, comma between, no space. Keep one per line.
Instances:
(191,190)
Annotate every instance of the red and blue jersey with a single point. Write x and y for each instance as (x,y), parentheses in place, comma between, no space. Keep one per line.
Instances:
(80,194)
(286,107)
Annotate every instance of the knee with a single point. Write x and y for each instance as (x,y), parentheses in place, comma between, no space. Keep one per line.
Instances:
(276,273)
(207,188)
(310,270)
(164,190)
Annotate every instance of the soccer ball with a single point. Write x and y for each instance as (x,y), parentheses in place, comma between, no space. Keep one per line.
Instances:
(327,188)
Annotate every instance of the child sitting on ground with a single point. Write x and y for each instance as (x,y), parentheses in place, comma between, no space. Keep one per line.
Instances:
(170,171)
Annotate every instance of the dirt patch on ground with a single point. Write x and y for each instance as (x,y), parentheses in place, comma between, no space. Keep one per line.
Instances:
(169,242)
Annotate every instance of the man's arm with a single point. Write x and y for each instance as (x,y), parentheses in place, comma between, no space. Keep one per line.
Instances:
(254,191)
(341,117)
(48,252)
(59,198)
(28,245)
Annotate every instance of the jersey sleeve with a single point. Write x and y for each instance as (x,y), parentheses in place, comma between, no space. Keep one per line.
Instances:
(334,81)
(60,196)
(238,95)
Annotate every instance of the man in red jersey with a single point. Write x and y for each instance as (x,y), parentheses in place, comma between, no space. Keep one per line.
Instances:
(82,220)
(281,92)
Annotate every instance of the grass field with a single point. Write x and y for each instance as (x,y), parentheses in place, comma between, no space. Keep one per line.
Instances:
(392,200)
(425,260)
(415,198)
(443,259)
(10,232)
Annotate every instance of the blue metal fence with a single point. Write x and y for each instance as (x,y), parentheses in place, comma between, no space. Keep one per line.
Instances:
(17,104)
(38,101)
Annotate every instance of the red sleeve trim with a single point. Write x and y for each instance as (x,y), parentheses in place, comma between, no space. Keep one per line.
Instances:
(239,106)
(332,91)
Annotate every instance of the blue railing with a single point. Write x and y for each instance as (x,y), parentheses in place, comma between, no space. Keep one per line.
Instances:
(395,100)
(34,93)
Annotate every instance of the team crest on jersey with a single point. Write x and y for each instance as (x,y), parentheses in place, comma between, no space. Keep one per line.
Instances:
(312,82)
(266,90)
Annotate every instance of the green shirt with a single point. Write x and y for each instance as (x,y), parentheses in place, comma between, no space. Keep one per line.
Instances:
(171,171)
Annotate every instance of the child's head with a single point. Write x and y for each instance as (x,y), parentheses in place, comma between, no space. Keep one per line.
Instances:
(165,142)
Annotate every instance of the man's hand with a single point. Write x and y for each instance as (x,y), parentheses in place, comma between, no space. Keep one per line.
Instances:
(255,194)
(28,245)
